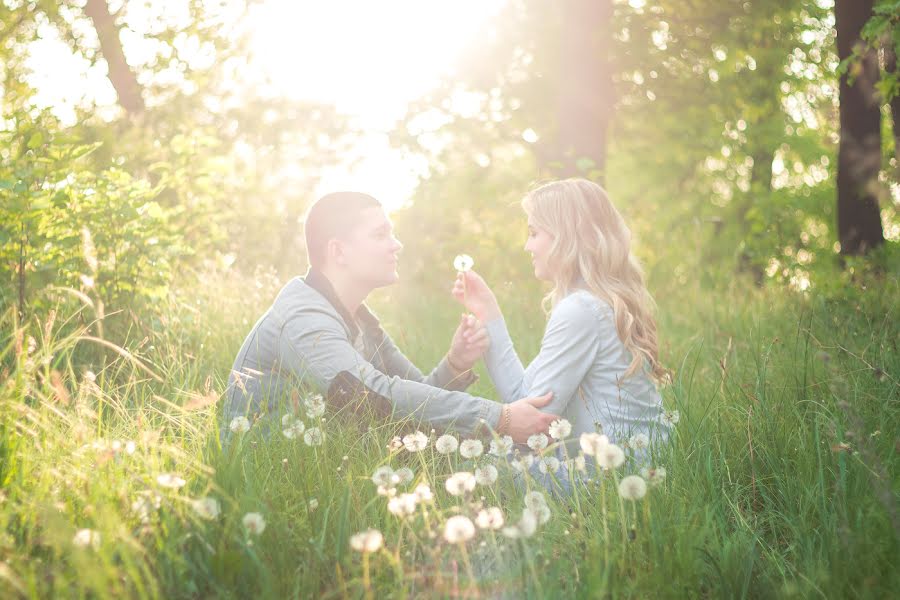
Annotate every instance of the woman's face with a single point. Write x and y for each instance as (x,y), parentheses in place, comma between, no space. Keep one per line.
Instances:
(538,244)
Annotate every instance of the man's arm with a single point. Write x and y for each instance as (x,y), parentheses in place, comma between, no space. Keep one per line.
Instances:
(323,351)
(443,375)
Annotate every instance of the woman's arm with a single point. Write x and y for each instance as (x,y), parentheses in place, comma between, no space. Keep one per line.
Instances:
(571,341)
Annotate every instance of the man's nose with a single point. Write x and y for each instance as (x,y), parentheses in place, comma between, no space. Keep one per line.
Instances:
(397,245)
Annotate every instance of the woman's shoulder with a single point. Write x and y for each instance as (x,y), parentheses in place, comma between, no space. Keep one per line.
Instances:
(583,307)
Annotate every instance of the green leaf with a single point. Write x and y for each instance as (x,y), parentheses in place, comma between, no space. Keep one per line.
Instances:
(36,140)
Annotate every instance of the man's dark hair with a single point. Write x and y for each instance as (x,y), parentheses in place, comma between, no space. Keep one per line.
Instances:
(333,216)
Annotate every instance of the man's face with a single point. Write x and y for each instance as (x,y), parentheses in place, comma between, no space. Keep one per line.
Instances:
(369,253)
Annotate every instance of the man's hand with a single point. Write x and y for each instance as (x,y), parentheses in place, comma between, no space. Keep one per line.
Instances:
(471,291)
(525,419)
(468,345)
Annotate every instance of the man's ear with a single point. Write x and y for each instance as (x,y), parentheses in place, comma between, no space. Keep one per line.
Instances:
(334,249)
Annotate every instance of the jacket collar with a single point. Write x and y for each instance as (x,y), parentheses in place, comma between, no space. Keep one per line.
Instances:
(317,281)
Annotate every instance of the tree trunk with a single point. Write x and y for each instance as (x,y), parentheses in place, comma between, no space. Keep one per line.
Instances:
(890,67)
(859,154)
(121,76)
(585,102)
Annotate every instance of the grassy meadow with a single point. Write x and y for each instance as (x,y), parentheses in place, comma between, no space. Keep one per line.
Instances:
(781,479)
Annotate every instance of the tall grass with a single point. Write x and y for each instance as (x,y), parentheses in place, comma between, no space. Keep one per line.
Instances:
(782,476)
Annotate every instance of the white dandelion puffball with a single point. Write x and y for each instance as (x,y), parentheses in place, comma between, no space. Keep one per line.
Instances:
(522,463)
(396,443)
(639,441)
(471,448)
(489,518)
(384,476)
(240,425)
(632,488)
(404,475)
(610,456)
(560,429)
(254,523)
(541,513)
(654,475)
(313,436)
(446,444)
(669,417)
(459,529)
(313,504)
(423,493)
(315,406)
(486,475)
(548,464)
(535,498)
(86,537)
(414,442)
(460,483)
(501,446)
(592,443)
(170,480)
(577,464)
(403,505)
(367,541)
(463,263)
(292,427)
(538,441)
(207,508)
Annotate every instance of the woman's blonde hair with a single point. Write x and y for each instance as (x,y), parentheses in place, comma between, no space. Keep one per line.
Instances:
(592,249)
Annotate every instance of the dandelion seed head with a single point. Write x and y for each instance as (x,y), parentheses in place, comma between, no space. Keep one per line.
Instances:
(538,441)
(632,487)
(403,505)
(669,417)
(315,406)
(170,480)
(654,475)
(459,529)
(460,483)
(404,475)
(446,444)
(367,541)
(610,456)
(535,498)
(548,464)
(423,492)
(239,425)
(592,443)
(501,446)
(206,508)
(463,263)
(415,442)
(486,475)
(639,441)
(86,537)
(383,476)
(489,518)
(254,523)
(560,429)
(313,436)
(471,448)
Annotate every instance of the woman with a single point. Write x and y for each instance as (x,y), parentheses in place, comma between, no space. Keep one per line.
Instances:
(599,354)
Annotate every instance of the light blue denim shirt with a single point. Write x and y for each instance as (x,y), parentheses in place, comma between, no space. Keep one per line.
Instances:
(583,362)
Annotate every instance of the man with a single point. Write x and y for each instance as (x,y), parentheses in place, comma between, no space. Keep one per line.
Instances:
(319,331)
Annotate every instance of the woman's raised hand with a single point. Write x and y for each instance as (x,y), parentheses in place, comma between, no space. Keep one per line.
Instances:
(471,291)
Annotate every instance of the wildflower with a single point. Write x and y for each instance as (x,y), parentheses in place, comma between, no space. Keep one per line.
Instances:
(610,456)
(315,406)
(414,442)
(313,504)
(486,475)
(501,446)
(460,483)
(522,463)
(206,508)
(254,523)
(471,448)
(489,518)
(526,526)
(577,463)
(87,537)
(538,441)
(313,436)
(130,447)
(395,444)
(560,429)
(292,427)
(403,505)
(240,425)
(384,476)
(169,480)
(146,503)
(446,444)
(632,488)
(367,541)
(669,417)
(404,475)
(459,529)
(541,513)
(654,475)
(638,441)
(423,493)
(592,443)
(463,263)
(548,464)
(535,498)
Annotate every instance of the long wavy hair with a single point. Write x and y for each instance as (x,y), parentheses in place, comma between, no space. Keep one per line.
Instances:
(591,249)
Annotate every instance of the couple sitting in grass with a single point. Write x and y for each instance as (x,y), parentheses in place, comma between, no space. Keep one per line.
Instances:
(594,373)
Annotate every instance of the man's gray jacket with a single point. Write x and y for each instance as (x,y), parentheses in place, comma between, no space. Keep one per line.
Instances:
(308,339)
